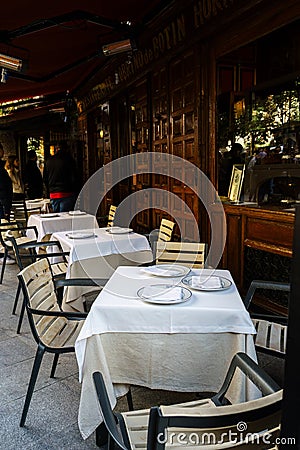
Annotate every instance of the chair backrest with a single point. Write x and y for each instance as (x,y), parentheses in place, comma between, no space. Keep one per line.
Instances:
(220,427)
(270,337)
(8,227)
(190,254)
(165,230)
(271,329)
(41,299)
(111,215)
(19,211)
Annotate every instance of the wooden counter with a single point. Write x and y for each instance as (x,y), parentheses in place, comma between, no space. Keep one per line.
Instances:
(267,229)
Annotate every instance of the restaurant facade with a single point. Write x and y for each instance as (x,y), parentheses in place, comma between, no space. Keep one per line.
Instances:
(195,67)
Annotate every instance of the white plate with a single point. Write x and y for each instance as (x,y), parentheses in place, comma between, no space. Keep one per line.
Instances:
(119,230)
(224,283)
(164,294)
(80,235)
(49,215)
(77,213)
(167,270)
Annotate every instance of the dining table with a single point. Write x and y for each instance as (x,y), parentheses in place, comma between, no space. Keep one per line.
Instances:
(163,327)
(48,223)
(96,253)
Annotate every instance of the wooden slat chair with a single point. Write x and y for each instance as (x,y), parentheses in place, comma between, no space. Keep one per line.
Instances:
(111,215)
(28,252)
(209,423)
(190,254)
(162,234)
(18,230)
(165,230)
(271,329)
(54,330)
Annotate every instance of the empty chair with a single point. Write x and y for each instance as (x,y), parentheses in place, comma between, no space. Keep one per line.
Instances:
(111,215)
(204,424)
(162,234)
(190,254)
(165,230)
(54,330)
(271,329)
(19,211)
(28,252)
(16,229)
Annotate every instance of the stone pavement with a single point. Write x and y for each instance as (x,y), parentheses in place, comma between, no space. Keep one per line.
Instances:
(52,417)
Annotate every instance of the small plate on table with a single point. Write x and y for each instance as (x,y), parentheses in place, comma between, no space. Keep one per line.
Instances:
(77,213)
(167,270)
(119,230)
(80,235)
(206,283)
(49,215)
(164,294)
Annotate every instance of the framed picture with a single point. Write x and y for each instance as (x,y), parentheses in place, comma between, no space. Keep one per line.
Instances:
(236,182)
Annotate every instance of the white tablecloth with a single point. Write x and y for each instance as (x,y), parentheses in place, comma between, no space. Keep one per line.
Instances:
(62,222)
(183,347)
(98,257)
(101,244)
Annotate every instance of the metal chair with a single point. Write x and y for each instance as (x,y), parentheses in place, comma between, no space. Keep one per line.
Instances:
(210,422)
(190,254)
(18,230)
(28,252)
(271,329)
(54,330)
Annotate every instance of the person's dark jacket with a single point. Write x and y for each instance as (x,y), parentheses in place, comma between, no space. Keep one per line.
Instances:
(6,190)
(60,173)
(33,180)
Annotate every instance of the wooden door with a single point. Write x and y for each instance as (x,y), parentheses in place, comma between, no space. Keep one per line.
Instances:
(184,138)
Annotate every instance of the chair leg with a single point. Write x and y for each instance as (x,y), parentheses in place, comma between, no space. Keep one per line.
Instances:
(16,299)
(3,265)
(55,361)
(101,435)
(129,400)
(21,316)
(35,370)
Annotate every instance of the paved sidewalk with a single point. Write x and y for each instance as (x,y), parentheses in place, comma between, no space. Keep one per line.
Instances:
(52,417)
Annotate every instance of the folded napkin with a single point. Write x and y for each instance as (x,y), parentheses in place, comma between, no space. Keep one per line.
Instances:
(205,282)
(163,293)
(156,270)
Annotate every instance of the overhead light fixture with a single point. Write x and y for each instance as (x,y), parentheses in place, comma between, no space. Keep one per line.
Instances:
(10,62)
(118,47)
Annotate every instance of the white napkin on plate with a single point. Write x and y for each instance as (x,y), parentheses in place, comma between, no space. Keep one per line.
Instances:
(163,293)
(203,282)
(156,270)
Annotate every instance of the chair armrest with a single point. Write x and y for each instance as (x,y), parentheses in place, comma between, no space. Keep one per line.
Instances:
(23,229)
(80,282)
(253,371)
(66,314)
(271,318)
(261,284)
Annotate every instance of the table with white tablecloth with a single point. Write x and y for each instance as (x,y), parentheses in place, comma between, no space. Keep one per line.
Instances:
(180,347)
(46,224)
(97,257)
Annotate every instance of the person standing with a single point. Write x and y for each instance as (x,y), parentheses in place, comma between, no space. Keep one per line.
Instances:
(6,189)
(12,167)
(6,194)
(61,179)
(33,178)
